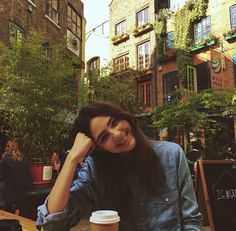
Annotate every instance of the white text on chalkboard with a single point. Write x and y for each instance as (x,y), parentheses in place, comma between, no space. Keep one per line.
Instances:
(225,194)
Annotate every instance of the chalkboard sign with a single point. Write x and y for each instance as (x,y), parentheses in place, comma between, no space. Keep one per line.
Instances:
(216,193)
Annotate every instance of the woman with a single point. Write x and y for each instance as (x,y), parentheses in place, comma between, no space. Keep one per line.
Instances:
(14,174)
(147,182)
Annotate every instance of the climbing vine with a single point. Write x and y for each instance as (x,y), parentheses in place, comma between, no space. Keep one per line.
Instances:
(160,29)
(183,20)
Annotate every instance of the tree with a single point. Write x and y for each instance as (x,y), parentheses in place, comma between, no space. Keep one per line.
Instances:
(193,112)
(119,88)
(38,90)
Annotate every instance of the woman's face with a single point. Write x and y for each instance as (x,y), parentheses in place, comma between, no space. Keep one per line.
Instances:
(112,135)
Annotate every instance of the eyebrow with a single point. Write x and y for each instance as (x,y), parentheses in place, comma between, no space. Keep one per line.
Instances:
(100,135)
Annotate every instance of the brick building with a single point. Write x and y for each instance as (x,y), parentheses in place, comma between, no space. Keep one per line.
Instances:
(57,19)
(133,42)
(212,51)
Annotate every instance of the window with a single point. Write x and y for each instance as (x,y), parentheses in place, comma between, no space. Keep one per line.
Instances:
(144,55)
(204,76)
(160,4)
(170,40)
(233,17)
(52,10)
(170,84)
(148,94)
(143,17)
(47,49)
(202,29)
(74,22)
(120,28)
(94,65)
(121,63)
(145,93)
(176,4)
(16,34)
(141,93)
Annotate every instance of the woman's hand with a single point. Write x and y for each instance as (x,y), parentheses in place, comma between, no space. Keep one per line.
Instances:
(83,145)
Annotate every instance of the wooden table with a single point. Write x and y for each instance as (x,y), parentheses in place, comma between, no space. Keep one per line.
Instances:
(27,224)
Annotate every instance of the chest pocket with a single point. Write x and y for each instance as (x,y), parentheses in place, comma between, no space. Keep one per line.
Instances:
(165,210)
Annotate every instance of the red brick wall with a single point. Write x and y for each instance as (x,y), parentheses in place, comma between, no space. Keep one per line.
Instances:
(15,11)
(162,69)
(225,77)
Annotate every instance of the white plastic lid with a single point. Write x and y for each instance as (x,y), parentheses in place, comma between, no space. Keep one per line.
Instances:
(104,217)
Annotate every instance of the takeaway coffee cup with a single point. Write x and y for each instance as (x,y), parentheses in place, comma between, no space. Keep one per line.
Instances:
(104,220)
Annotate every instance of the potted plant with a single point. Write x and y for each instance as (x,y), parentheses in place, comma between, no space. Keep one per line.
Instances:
(142,29)
(230,34)
(38,92)
(117,39)
(210,40)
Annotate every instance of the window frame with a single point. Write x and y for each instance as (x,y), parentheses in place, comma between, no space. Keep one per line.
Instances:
(120,27)
(148,94)
(233,7)
(142,16)
(17,31)
(170,42)
(144,61)
(74,21)
(121,63)
(169,80)
(202,29)
(145,93)
(50,11)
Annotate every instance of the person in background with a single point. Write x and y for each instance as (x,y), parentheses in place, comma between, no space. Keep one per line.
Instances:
(55,163)
(147,182)
(3,140)
(15,175)
(230,153)
(194,155)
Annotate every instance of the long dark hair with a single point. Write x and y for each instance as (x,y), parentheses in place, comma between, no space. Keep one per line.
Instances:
(113,170)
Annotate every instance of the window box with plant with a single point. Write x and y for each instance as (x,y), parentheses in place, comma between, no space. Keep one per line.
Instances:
(38,88)
(230,34)
(207,42)
(142,29)
(117,39)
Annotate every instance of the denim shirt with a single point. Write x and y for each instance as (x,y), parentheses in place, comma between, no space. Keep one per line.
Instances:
(175,209)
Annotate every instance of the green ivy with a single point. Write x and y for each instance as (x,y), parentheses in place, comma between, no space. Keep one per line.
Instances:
(160,30)
(183,20)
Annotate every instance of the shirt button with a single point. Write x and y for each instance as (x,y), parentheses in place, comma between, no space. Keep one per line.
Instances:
(166,199)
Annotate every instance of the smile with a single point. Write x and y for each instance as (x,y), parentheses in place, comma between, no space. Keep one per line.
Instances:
(124,140)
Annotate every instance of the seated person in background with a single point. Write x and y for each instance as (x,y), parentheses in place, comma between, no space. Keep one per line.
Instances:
(3,140)
(14,174)
(194,155)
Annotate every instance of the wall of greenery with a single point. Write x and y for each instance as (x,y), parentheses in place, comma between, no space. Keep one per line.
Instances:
(183,20)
